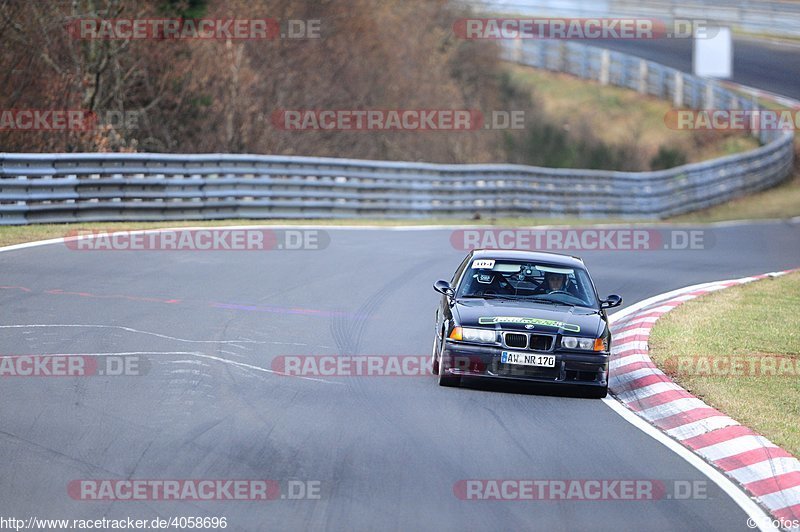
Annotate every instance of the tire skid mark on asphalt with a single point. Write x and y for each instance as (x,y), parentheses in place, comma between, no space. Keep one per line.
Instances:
(348,331)
(197,354)
(59,454)
(233,343)
(283,311)
(259,368)
(509,433)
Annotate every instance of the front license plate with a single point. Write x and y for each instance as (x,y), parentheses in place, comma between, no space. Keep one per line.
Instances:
(528,359)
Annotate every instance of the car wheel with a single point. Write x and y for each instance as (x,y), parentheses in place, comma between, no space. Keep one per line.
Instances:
(446,378)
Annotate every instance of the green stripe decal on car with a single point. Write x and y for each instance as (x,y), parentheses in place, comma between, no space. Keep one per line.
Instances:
(492,320)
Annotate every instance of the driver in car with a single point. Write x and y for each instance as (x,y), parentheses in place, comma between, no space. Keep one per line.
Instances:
(553,282)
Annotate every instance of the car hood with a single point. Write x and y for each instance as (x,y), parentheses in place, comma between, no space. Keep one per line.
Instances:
(539,317)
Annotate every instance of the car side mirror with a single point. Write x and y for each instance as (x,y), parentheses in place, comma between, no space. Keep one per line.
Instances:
(611,301)
(443,287)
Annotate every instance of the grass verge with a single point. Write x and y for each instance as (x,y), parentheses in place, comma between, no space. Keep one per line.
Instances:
(620,116)
(624,116)
(739,350)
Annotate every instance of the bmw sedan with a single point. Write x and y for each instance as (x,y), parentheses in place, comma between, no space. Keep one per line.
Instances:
(523,316)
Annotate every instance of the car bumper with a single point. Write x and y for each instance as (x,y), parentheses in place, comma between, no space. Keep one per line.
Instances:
(466,360)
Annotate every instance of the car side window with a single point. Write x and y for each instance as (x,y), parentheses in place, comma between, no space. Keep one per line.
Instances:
(460,270)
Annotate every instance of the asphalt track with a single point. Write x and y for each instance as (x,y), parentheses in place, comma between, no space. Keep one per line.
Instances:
(765,65)
(387,451)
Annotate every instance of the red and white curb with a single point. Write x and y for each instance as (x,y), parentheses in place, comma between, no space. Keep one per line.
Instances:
(767,472)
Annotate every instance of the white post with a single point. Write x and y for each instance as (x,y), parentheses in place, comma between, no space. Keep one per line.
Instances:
(642,77)
(709,100)
(605,67)
(677,98)
(516,53)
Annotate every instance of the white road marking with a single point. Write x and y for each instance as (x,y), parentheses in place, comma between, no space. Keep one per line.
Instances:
(198,355)
(753,510)
(744,502)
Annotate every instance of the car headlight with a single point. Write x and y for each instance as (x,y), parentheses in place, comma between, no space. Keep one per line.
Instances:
(586,344)
(483,336)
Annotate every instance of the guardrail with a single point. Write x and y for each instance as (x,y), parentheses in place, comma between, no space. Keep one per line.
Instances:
(769,17)
(49,188)
(624,70)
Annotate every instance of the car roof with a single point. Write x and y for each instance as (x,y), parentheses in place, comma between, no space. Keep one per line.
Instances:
(532,256)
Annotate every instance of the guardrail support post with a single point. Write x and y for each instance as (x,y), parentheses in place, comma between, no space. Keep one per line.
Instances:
(677,97)
(708,102)
(516,51)
(605,67)
(642,77)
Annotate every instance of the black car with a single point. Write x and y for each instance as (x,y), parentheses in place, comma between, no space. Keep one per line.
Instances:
(523,316)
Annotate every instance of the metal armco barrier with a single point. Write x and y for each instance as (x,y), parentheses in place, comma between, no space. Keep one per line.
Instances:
(51,188)
(770,17)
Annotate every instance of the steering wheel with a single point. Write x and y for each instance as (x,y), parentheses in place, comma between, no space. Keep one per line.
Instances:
(560,292)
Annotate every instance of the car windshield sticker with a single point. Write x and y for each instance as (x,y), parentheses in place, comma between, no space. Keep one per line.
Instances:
(485,278)
(552,269)
(483,264)
(492,320)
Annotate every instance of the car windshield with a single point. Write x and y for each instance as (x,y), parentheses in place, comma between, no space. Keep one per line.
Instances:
(527,281)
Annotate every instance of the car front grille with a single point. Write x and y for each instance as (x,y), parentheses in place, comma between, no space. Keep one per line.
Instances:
(540,342)
(536,342)
(518,340)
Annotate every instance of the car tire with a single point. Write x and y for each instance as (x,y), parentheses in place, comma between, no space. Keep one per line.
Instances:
(446,378)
